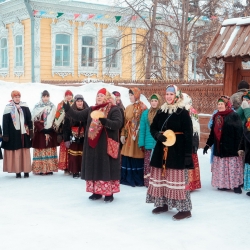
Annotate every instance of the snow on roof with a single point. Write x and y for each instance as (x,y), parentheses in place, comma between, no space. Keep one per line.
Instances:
(236,21)
(229,42)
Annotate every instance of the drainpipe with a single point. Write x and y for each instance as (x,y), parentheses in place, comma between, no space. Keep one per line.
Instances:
(32,20)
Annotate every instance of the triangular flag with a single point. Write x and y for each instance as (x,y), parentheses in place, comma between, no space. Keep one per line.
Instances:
(35,12)
(99,16)
(134,18)
(76,15)
(91,16)
(118,18)
(107,16)
(59,14)
(85,16)
(51,12)
(42,12)
(158,17)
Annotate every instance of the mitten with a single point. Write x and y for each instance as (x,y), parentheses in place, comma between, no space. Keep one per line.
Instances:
(67,144)
(123,139)
(66,106)
(205,149)
(241,152)
(244,104)
(160,137)
(103,121)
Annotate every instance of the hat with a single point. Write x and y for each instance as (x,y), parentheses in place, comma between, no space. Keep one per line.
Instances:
(154,96)
(116,93)
(78,97)
(243,85)
(68,92)
(15,93)
(226,100)
(45,93)
(102,91)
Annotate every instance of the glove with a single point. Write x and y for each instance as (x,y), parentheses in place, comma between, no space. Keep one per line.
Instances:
(67,144)
(103,121)
(244,104)
(160,137)
(47,131)
(66,107)
(142,149)
(59,139)
(188,160)
(241,152)
(205,149)
(6,138)
(122,139)
(31,134)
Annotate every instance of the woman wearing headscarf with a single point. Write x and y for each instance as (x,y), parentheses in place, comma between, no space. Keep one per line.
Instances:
(146,142)
(17,132)
(45,160)
(193,174)
(100,170)
(225,134)
(168,185)
(73,137)
(58,126)
(118,99)
(132,155)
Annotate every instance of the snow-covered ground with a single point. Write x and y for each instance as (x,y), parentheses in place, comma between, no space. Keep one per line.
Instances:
(54,212)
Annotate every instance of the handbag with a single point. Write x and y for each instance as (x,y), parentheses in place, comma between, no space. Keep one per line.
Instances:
(112,146)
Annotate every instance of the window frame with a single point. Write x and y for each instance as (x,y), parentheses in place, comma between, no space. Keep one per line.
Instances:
(1,54)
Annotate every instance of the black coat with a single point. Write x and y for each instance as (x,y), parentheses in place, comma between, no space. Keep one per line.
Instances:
(15,138)
(179,121)
(1,156)
(231,134)
(96,163)
(245,144)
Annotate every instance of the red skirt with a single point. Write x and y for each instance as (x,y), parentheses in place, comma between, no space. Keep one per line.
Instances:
(194,181)
(106,188)
(63,157)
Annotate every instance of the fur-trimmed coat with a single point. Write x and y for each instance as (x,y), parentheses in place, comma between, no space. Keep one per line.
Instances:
(230,136)
(178,121)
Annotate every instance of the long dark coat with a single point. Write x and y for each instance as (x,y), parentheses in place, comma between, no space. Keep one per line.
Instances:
(231,134)
(96,163)
(15,138)
(178,121)
(245,145)
(1,155)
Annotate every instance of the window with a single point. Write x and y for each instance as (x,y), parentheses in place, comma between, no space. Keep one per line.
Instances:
(19,50)
(3,53)
(88,51)
(62,55)
(155,58)
(111,53)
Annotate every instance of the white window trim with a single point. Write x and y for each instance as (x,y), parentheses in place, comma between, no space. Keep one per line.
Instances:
(18,29)
(111,32)
(4,72)
(88,29)
(62,27)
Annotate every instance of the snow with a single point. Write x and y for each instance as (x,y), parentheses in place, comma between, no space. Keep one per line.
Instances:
(54,212)
(231,21)
(229,42)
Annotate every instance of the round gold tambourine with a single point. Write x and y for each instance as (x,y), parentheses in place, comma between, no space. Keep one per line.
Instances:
(96,114)
(171,138)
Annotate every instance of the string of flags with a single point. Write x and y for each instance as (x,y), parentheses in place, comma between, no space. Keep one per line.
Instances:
(86,17)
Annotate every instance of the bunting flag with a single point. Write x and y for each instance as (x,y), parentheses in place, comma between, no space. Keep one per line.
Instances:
(99,16)
(134,18)
(190,19)
(85,16)
(76,15)
(43,12)
(117,18)
(35,12)
(158,17)
(107,16)
(51,12)
(59,14)
(91,16)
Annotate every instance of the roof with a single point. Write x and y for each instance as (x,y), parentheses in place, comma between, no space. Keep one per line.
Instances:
(231,40)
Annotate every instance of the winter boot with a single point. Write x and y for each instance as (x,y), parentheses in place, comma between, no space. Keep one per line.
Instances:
(95,197)
(66,172)
(159,210)
(109,198)
(26,175)
(49,173)
(223,189)
(238,190)
(248,193)
(182,215)
(76,175)
(18,175)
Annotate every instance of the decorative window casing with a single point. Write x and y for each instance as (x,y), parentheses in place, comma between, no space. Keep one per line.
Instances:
(4,57)
(111,52)
(88,50)
(18,41)
(173,61)
(62,34)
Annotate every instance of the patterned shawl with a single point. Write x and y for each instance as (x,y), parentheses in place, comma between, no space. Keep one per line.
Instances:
(47,110)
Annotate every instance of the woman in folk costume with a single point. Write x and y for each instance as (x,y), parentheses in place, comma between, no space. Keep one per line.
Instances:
(225,134)
(244,147)
(73,137)
(45,160)
(118,99)
(58,126)
(132,155)
(193,174)
(170,162)
(17,132)
(1,138)
(146,142)
(100,170)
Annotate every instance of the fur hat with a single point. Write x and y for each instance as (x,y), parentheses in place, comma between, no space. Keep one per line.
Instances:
(68,92)
(78,97)
(15,93)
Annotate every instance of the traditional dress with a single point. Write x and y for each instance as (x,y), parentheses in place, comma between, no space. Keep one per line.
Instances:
(146,141)
(168,185)
(100,170)
(193,174)
(58,126)
(17,126)
(225,134)
(132,155)
(73,132)
(45,159)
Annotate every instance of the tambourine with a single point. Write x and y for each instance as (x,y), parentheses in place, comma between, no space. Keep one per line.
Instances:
(171,138)
(96,114)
